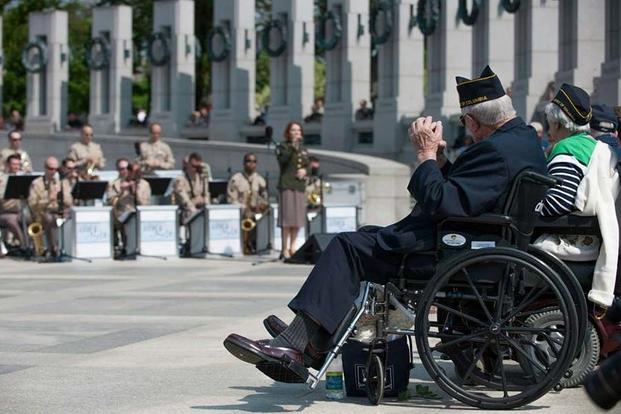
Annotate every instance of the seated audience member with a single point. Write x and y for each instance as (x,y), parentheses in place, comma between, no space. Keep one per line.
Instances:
(364,112)
(604,124)
(539,129)
(50,198)
(590,184)
(16,121)
(73,121)
(316,111)
(124,194)
(15,147)
(476,183)
(11,209)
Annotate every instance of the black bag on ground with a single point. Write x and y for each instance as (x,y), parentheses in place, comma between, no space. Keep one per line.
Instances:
(398,366)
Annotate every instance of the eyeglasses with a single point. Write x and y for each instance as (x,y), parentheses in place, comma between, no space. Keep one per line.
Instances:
(69,168)
(51,168)
(250,161)
(121,168)
(16,139)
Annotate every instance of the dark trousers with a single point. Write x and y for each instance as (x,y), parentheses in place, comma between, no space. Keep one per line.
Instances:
(334,283)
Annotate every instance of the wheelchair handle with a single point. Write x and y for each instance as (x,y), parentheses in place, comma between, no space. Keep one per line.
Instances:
(548,180)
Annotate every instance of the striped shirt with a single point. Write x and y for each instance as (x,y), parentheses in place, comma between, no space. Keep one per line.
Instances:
(568,161)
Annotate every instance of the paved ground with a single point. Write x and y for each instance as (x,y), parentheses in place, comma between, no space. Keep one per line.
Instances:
(146,337)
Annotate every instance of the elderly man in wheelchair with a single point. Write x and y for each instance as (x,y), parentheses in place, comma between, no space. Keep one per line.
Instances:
(459,272)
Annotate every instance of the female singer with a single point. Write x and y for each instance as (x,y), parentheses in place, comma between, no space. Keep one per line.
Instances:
(293,162)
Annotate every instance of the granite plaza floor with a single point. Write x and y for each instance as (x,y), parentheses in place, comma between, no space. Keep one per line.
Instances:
(146,337)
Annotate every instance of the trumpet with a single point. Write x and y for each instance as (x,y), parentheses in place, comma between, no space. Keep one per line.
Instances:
(25,163)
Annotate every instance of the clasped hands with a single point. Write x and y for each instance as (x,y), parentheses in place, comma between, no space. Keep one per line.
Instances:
(426,137)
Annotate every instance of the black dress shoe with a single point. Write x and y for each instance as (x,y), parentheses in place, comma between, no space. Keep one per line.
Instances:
(279,363)
(312,356)
(274,325)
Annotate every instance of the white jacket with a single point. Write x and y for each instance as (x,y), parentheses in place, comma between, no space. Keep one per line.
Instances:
(596,196)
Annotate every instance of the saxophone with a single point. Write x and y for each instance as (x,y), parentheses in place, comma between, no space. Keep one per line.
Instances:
(35,229)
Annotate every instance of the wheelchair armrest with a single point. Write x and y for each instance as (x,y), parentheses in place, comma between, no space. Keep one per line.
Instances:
(569,224)
(487,218)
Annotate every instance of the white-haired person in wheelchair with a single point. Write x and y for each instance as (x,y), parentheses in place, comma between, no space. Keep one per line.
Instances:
(477,182)
(589,187)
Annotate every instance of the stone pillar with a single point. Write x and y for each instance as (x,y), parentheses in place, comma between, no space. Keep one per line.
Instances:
(1,65)
(536,53)
(581,42)
(111,85)
(233,79)
(609,85)
(399,81)
(46,91)
(292,74)
(493,39)
(172,84)
(348,73)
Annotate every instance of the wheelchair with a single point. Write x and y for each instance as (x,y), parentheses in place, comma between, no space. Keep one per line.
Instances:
(475,309)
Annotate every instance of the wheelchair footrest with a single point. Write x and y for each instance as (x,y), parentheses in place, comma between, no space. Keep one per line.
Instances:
(284,371)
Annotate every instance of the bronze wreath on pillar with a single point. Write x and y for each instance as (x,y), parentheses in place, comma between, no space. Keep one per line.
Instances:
(382,37)
(226,44)
(511,5)
(428,15)
(37,62)
(279,26)
(159,56)
(469,18)
(321,42)
(97,54)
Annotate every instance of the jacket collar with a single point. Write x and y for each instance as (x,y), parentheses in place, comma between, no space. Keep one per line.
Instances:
(512,123)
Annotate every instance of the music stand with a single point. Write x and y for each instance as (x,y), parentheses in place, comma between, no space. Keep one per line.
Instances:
(217,190)
(159,185)
(18,188)
(89,190)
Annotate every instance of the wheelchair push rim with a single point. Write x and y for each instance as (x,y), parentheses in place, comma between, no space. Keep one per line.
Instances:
(482,299)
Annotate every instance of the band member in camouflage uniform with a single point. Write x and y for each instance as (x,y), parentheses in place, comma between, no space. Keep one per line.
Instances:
(155,154)
(48,200)
(11,209)
(191,190)
(88,155)
(248,189)
(124,194)
(15,147)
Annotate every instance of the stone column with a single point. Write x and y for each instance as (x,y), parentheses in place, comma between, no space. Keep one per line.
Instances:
(449,51)
(493,39)
(1,64)
(536,53)
(399,81)
(348,73)
(172,84)
(111,86)
(609,85)
(46,92)
(233,79)
(292,74)
(581,42)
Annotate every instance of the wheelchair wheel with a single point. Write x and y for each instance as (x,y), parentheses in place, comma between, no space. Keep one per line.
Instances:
(586,358)
(375,379)
(476,307)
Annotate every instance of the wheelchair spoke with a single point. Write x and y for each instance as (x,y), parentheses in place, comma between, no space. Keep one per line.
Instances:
(529,299)
(501,293)
(503,375)
(473,364)
(531,329)
(477,294)
(459,340)
(458,313)
(517,347)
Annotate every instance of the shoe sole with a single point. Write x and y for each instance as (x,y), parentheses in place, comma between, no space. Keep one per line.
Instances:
(280,372)
(243,353)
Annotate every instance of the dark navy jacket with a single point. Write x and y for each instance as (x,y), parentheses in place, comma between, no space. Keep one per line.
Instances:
(476,183)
